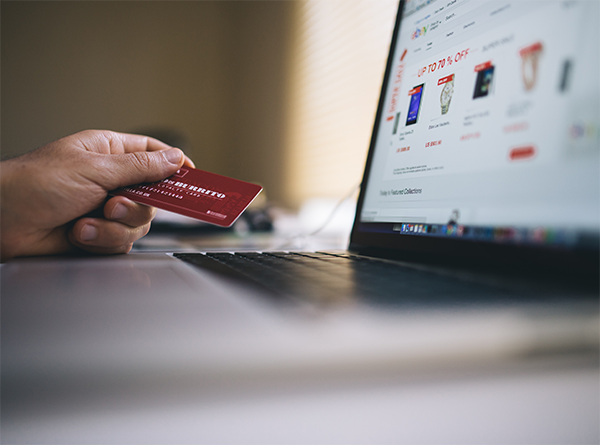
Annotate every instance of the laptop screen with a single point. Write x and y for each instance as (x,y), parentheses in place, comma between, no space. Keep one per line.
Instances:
(488,125)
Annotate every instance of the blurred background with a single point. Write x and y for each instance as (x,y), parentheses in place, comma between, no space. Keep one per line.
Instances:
(282,93)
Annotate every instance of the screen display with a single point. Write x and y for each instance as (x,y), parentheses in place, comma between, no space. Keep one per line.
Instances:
(501,136)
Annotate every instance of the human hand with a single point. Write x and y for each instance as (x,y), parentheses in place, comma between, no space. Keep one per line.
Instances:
(48,194)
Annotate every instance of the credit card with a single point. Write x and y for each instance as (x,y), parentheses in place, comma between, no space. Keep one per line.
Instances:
(196,193)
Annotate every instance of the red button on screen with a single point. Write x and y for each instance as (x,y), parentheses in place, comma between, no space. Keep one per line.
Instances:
(519,153)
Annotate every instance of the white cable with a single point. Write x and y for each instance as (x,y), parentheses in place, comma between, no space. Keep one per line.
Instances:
(291,239)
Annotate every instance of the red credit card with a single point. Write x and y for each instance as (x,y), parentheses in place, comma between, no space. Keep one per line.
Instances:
(196,193)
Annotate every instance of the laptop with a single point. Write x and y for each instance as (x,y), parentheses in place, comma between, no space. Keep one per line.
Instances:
(474,249)
(484,158)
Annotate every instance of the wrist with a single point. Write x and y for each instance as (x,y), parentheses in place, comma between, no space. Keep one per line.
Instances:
(4,254)
(7,247)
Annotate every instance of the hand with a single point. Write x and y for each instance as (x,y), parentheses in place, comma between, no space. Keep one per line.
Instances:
(48,194)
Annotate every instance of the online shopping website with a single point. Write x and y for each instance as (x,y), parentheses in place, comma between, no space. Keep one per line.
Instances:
(491,120)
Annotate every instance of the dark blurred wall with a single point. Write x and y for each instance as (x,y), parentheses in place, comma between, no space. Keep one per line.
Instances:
(213,71)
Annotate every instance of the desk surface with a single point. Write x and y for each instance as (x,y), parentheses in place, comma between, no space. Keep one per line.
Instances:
(94,356)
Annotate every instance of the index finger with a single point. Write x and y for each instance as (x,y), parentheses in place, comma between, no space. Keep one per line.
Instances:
(135,142)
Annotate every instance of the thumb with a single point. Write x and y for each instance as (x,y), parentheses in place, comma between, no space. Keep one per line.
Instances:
(120,170)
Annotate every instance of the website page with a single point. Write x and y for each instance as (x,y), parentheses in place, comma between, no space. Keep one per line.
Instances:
(491,120)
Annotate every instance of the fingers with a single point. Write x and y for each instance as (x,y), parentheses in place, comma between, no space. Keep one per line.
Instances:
(111,172)
(188,162)
(127,212)
(133,158)
(111,142)
(134,142)
(126,222)
(98,235)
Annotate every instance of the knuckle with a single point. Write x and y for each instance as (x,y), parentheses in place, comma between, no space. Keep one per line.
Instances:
(148,214)
(124,237)
(141,160)
(125,248)
(144,230)
(139,215)
(116,236)
(89,134)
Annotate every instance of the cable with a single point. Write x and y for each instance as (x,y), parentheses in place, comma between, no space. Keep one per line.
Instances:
(292,239)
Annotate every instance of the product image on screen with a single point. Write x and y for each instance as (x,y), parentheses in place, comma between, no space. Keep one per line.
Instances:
(447,91)
(564,78)
(416,95)
(530,60)
(483,84)
(396,121)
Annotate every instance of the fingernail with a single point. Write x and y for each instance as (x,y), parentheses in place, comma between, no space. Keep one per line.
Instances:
(191,162)
(173,155)
(88,233)
(119,212)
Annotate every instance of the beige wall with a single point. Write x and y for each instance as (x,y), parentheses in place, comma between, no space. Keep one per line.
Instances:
(260,95)
(212,70)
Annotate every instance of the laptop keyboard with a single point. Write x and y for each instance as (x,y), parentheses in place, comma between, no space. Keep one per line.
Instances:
(328,277)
